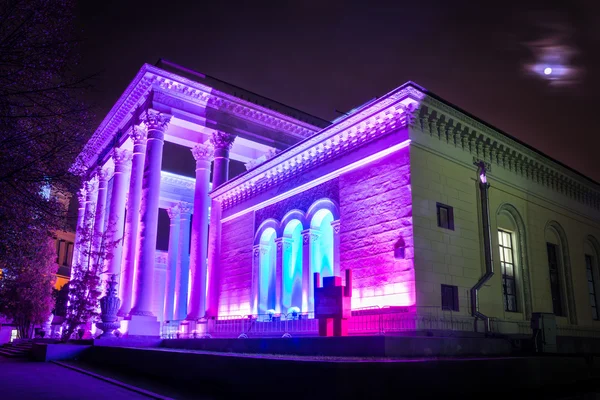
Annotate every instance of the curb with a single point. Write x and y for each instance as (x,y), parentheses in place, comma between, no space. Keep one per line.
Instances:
(115,382)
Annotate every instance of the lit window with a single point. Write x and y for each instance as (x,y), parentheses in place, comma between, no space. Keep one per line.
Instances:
(507,265)
(589,262)
(445,216)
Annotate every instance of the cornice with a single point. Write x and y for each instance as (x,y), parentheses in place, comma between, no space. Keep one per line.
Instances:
(151,78)
(390,112)
(178,181)
(454,128)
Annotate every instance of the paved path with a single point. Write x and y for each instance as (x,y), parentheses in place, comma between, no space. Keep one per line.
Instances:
(20,379)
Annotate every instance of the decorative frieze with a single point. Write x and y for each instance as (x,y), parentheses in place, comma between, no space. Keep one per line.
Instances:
(390,113)
(151,78)
(496,148)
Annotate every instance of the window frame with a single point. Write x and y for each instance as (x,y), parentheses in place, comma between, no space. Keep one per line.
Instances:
(555,287)
(450,293)
(449,213)
(593,297)
(505,276)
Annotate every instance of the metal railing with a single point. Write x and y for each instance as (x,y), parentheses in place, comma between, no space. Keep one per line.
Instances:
(365,321)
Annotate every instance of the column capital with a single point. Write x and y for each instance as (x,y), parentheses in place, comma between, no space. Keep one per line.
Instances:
(203,152)
(174,212)
(156,121)
(82,194)
(91,185)
(222,140)
(122,159)
(283,243)
(310,235)
(102,174)
(336,226)
(139,134)
(185,209)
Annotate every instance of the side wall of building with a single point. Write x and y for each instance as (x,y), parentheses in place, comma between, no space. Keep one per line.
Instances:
(236,265)
(376,231)
(442,173)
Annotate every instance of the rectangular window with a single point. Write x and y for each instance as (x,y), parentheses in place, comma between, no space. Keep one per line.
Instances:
(589,262)
(68,254)
(554,279)
(507,265)
(450,298)
(445,216)
(57,250)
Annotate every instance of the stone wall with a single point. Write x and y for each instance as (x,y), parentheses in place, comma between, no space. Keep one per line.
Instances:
(236,265)
(376,214)
(443,173)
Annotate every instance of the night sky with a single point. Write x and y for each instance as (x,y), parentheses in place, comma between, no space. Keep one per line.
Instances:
(323,56)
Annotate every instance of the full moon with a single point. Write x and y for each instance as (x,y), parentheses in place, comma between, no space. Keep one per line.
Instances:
(547,71)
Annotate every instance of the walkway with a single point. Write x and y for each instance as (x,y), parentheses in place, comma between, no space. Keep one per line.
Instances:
(20,379)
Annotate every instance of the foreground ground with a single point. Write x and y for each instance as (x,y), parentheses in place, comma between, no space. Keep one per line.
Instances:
(21,379)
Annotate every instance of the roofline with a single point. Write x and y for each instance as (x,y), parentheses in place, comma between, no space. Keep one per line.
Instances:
(528,146)
(202,75)
(332,126)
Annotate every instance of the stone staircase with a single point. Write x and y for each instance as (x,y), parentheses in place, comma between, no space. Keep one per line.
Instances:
(20,349)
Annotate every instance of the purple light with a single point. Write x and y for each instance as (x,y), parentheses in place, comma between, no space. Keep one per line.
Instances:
(483,178)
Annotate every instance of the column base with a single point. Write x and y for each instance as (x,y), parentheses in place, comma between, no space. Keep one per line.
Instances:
(141,325)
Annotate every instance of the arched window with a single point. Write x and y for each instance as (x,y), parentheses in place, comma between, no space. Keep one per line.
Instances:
(591,258)
(267,279)
(322,250)
(292,266)
(559,269)
(513,259)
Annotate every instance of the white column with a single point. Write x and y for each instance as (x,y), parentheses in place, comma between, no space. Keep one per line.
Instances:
(256,251)
(309,239)
(222,143)
(81,197)
(336,247)
(91,190)
(203,154)
(116,216)
(138,135)
(157,125)
(174,216)
(100,243)
(183,264)
(284,247)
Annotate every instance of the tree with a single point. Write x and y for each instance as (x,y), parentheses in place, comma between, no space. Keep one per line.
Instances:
(26,285)
(43,123)
(85,285)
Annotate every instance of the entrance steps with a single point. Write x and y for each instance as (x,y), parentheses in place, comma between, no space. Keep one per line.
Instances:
(21,349)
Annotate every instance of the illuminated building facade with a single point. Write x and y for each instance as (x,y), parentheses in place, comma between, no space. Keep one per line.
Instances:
(393,191)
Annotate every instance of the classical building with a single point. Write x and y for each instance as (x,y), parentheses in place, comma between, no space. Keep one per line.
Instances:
(445,221)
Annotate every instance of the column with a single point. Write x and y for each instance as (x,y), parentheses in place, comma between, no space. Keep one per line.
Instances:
(85,251)
(336,247)
(157,125)
(116,214)
(222,143)
(81,197)
(309,239)
(256,254)
(214,254)
(284,246)
(183,263)
(203,154)
(100,244)
(138,135)
(173,257)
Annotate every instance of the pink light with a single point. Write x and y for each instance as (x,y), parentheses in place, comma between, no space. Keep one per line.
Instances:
(483,178)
